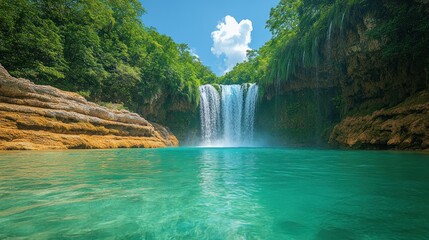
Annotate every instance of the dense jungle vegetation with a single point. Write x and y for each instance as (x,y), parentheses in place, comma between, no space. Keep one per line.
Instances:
(100,49)
(301,28)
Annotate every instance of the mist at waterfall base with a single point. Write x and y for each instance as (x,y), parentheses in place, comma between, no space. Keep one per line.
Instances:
(227,115)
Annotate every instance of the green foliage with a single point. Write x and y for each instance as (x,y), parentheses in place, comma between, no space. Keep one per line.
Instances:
(284,17)
(113,106)
(29,44)
(301,29)
(85,94)
(250,71)
(405,31)
(98,48)
(300,47)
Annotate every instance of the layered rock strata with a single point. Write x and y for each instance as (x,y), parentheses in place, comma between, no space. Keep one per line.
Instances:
(34,117)
(404,127)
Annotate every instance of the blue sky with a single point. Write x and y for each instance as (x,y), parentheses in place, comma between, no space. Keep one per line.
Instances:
(193,21)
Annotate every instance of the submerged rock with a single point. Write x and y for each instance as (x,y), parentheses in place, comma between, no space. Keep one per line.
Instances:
(403,127)
(43,117)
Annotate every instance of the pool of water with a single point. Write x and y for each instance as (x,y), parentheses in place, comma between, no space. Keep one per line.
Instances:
(213,193)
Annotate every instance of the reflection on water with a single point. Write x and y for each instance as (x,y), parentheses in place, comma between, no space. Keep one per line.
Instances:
(198,193)
(228,186)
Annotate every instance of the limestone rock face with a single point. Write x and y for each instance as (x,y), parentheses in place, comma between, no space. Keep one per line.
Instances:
(352,78)
(43,117)
(404,127)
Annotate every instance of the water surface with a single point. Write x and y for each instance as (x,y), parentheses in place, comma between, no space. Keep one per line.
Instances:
(203,193)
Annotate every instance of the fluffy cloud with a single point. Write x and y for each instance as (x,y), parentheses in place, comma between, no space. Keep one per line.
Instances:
(193,53)
(231,39)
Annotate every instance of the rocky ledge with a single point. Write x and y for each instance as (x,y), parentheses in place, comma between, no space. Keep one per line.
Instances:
(35,117)
(404,127)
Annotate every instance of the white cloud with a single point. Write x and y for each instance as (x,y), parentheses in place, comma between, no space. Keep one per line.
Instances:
(232,39)
(193,53)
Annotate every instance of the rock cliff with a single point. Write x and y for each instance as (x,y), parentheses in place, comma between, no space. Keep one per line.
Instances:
(404,127)
(355,86)
(34,117)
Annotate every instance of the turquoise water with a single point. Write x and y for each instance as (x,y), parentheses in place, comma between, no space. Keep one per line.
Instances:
(198,193)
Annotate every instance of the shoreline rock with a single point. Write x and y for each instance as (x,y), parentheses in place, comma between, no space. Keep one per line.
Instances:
(36,117)
(404,127)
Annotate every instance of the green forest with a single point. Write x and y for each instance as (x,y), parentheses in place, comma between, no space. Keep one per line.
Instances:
(110,129)
(302,28)
(100,49)
(103,50)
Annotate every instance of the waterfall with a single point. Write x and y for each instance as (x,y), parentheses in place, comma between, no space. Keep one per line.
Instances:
(232,109)
(329,32)
(209,113)
(227,119)
(249,109)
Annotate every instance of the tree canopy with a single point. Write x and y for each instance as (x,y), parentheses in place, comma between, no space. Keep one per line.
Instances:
(102,49)
(301,28)
(98,48)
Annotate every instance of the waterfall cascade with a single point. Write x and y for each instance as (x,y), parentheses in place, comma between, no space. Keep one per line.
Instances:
(232,112)
(209,113)
(227,118)
(329,32)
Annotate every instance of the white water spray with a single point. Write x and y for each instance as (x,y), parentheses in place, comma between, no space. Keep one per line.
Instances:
(232,109)
(227,119)
(329,31)
(249,110)
(209,113)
